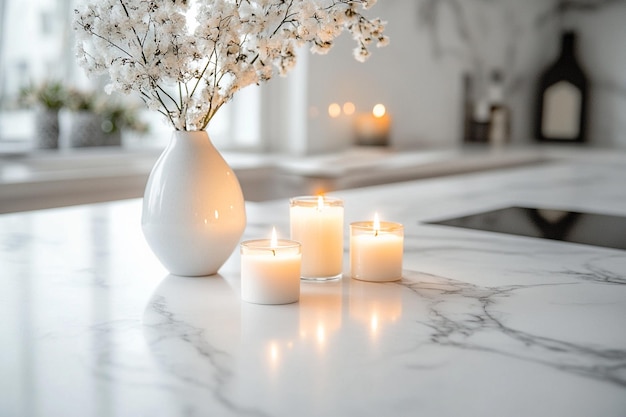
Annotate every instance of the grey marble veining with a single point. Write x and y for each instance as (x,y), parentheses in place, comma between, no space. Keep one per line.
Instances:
(480,324)
(483,314)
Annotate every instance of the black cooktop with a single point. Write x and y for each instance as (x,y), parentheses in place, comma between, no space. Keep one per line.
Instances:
(569,226)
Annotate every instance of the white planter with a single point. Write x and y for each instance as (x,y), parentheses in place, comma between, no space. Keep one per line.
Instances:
(46,128)
(86,130)
(193,208)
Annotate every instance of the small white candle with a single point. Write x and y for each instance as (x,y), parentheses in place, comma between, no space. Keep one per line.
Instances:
(376,250)
(317,223)
(270,271)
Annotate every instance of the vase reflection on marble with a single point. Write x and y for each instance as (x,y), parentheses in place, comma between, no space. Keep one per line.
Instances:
(193,208)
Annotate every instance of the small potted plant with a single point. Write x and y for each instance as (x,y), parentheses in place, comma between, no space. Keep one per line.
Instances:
(84,126)
(117,116)
(98,121)
(47,99)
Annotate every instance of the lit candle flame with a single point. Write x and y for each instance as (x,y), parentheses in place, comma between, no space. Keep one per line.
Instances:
(274,240)
(376,224)
(320,202)
(379,110)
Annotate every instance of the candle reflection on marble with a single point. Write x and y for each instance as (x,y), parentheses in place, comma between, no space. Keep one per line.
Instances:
(273,356)
(320,312)
(375,309)
(376,250)
(267,339)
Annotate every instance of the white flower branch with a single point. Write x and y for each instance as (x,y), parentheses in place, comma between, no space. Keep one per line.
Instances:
(186,73)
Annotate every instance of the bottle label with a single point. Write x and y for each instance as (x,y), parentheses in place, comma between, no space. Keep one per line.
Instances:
(561,111)
(498,131)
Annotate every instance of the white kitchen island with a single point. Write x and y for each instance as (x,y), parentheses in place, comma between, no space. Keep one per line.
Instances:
(481,324)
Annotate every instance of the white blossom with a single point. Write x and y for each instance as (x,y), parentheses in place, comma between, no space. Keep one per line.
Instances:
(187,58)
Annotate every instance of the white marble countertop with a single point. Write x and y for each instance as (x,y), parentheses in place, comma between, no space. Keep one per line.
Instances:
(481,323)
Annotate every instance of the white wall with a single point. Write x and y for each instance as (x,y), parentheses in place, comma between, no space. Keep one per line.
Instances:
(603,54)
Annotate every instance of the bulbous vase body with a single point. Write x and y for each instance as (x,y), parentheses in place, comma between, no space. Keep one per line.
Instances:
(193,208)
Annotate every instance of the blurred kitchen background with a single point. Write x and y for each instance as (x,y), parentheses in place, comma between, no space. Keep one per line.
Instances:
(301,133)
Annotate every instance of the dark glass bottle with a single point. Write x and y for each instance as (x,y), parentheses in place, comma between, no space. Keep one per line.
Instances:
(562,99)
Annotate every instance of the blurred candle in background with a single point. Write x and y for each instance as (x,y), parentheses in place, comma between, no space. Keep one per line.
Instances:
(372,129)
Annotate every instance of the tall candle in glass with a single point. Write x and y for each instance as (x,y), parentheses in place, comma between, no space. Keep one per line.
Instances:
(317,223)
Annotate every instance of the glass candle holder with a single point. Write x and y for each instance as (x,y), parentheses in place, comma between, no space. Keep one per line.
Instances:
(270,271)
(317,223)
(376,251)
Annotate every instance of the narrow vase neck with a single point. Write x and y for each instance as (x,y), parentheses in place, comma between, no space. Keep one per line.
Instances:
(191,135)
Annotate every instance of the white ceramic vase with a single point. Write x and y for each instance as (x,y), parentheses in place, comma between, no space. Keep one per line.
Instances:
(193,208)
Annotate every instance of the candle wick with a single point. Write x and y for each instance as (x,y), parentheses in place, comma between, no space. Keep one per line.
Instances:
(376,232)
(274,252)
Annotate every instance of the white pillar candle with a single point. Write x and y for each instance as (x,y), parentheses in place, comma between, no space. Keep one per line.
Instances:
(317,223)
(270,271)
(376,250)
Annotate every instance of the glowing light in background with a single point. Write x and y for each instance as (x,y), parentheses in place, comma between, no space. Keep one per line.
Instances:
(379,110)
(348,108)
(334,110)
